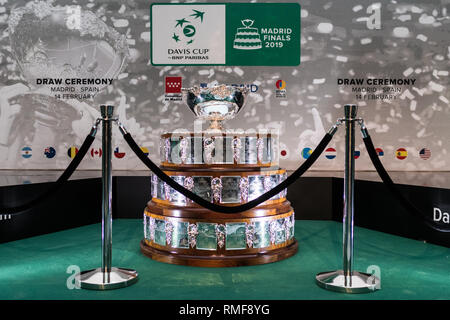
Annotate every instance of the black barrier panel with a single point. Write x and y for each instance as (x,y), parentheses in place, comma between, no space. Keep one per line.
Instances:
(312,198)
(75,204)
(42,195)
(410,207)
(130,196)
(376,208)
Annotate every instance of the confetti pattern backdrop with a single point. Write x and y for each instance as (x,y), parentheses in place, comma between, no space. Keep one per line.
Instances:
(412,42)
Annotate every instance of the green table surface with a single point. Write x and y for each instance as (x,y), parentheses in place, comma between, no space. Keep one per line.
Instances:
(36,268)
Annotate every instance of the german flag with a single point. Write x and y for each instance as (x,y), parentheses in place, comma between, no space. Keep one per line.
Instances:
(72,151)
(401,153)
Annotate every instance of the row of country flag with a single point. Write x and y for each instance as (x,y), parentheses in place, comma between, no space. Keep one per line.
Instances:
(330,153)
(400,153)
(50,152)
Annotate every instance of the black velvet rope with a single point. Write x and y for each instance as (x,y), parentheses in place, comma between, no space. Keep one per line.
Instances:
(228,209)
(56,185)
(410,208)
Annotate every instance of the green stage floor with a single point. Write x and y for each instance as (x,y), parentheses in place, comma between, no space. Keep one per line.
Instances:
(36,268)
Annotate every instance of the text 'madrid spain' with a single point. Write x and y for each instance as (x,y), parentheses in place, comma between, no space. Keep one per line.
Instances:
(245,34)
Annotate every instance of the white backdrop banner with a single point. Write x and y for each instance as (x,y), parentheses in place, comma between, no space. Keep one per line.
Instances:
(59,60)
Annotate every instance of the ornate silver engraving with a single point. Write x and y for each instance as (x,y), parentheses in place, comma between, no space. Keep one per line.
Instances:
(184,149)
(287,227)
(208,147)
(220,234)
(260,149)
(192,234)
(284,192)
(161,150)
(217,189)
(243,185)
(273,231)
(216,186)
(145,226)
(168,228)
(250,234)
(293,224)
(267,183)
(166,191)
(166,149)
(239,148)
(152,228)
(154,186)
(237,145)
(188,184)
(175,196)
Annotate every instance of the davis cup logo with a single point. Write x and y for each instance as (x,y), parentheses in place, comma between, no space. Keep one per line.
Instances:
(185,30)
(187,34)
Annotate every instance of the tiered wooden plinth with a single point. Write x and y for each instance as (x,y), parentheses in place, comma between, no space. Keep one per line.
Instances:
(241,259)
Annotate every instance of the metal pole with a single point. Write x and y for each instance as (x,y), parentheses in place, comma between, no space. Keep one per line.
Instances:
(347,280)
(349,178)
(106,277)
(107,113)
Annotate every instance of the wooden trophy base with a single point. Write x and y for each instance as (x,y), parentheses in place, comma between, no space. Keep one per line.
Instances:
(220,260)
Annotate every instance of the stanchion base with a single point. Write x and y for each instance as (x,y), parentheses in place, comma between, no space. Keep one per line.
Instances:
(361,282)
(96,279)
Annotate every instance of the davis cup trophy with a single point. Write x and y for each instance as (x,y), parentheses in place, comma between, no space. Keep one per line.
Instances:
(225,167)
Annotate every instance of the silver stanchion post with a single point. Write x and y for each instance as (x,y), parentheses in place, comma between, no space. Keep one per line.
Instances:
(106,277)
(348,280)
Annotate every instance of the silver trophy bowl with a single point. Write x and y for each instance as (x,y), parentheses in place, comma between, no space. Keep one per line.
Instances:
(216,104)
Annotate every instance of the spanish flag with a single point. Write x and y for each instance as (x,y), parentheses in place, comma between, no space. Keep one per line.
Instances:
(401,153)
